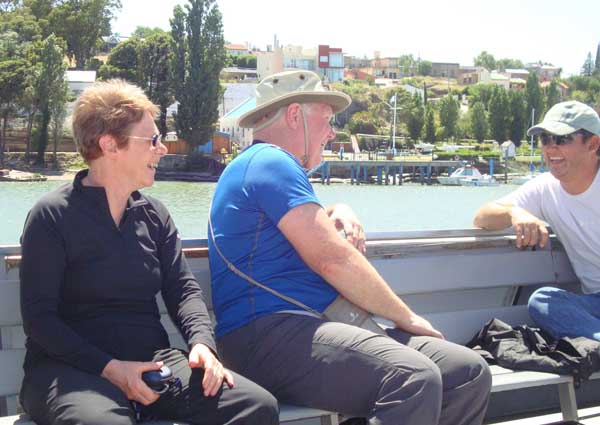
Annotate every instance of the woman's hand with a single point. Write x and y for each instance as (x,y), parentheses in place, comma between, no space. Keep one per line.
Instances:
(128,377)
(214,373)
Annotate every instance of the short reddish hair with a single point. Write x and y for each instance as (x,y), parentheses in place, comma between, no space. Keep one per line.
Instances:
(108,107)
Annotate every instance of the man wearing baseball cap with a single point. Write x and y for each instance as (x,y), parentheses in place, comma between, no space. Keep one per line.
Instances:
(277,263)
(568,199)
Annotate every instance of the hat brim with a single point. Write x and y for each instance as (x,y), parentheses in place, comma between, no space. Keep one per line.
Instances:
(337,100)
(552,127)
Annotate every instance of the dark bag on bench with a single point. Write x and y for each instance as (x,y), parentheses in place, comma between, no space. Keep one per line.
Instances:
(528,348)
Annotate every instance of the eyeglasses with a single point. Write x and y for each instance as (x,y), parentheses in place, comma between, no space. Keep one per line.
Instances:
(558,140)
(155,139)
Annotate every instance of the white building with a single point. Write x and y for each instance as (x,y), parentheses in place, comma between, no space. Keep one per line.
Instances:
(78,81)
(229,123)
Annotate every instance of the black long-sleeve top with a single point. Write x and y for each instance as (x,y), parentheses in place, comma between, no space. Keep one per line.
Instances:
(88,286)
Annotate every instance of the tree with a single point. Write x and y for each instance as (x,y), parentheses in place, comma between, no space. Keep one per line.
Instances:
(553,95)
(82,24)
(49,86)
(416,118)
(198,58)
(13,67)
(481,93)
(499,114)
(364,123)
(504,64)
(12,84)
(588,66)
(154,69)
(122,62)
(430,127)
(535,98)
(479,122)
(518,121)
(58,113)
(597,63)
(424,68)
(145,32)
(406,63)
(449,110)
(486,60)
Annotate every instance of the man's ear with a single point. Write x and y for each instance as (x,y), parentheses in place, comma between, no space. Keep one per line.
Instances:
(108,145)
(293,115)
(594,143)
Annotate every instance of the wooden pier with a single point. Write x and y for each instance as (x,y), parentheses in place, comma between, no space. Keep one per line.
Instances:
(387,171)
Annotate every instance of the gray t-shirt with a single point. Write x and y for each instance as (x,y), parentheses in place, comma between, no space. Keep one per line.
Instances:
(574,218)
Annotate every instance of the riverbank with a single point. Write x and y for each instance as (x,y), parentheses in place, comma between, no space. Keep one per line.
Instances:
(66,166)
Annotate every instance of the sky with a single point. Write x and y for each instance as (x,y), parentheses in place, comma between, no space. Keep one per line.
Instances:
(555,31)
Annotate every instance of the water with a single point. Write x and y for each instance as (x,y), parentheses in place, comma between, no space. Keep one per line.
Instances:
(380,208)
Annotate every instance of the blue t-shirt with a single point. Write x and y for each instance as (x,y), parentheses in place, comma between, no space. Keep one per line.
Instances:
(254,192)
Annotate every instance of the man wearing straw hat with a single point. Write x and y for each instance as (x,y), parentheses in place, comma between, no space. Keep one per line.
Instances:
(567,198)
(278,265)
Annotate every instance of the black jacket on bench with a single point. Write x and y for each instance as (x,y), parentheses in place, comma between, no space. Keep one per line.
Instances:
(527,348)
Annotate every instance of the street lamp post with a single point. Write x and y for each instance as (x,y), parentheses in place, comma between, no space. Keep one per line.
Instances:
(394,109)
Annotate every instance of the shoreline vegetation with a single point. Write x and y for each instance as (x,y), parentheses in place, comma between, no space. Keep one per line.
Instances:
(69,163)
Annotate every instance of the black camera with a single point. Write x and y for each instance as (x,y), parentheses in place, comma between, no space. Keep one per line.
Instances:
(160,381)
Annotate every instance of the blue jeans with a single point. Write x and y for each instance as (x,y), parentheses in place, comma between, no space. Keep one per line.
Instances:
(563,313)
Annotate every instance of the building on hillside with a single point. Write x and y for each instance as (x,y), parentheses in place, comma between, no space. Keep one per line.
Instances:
(229,123)
(444,70)
(391,67)
(516,73)
(357,74)
(517,84)
(331,63)
(237,49)
(500,79)
(281,58)
(352,62)
(240,74)
(297,57)
(469,75)
(562,88)
(412,90)
(544,72)
(78,81)
(269,62)
(234,94)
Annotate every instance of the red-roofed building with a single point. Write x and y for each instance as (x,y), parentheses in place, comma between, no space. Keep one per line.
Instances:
(237,49)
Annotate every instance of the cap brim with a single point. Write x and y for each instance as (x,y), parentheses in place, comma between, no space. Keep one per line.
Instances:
(337,100)
(552,127)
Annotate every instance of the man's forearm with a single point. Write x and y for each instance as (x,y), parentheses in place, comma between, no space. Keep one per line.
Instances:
(493,216)
(357,280)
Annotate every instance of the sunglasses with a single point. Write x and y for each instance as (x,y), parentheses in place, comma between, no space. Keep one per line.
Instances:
(155,139)
(558,140)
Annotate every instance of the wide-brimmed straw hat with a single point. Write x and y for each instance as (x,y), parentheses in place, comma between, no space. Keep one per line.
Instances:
(289,87)
(566,118)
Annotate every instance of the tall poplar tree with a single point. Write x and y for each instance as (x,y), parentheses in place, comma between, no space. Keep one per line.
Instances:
(416,117)
(479,122)
(535,98)
(49,87)
(499,114)
(429,124)
(518,119)
(198,58)
(154,67)
(449,110)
